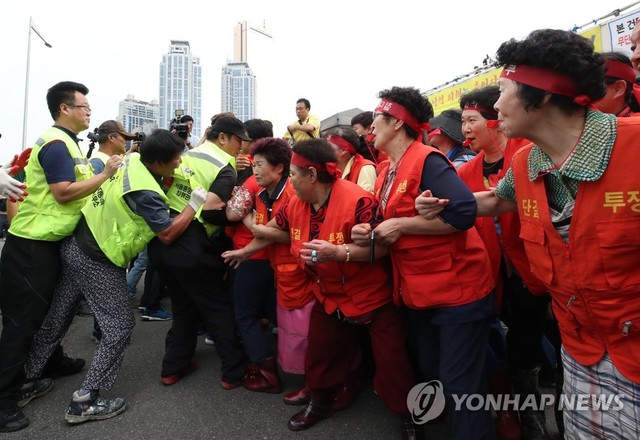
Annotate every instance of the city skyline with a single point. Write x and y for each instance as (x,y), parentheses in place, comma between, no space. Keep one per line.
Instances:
(338,60)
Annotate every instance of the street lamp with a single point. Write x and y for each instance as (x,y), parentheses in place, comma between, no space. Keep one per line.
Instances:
(26,83)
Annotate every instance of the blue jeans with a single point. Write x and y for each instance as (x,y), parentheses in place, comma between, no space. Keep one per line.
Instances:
(134,275)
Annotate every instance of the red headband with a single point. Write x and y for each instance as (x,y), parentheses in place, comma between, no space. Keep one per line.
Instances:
(545,79)
(398,111)
(302,162)
(474,105)
(617,69)
(342,143)
(433,133)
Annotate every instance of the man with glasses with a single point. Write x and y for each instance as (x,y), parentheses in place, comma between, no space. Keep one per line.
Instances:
(59,179)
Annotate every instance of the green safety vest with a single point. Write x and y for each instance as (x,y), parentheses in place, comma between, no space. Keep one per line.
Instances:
(120,233)
(40,216)
(199,167)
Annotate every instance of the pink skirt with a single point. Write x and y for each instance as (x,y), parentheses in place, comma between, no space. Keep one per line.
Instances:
(293,328)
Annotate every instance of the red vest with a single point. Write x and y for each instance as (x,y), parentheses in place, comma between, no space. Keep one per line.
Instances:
(356,166)
(355,287)
(594,279)
(432,270)
(293,287)
(238,233)
(472,175)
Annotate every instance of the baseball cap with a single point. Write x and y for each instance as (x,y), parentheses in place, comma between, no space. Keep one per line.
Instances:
(231,125)
(112,126)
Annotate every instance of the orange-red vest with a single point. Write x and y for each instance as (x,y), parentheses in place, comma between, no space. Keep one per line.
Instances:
(358,162)
(355,287)
(473,176)
(432,270)
(594,279)
(293,286)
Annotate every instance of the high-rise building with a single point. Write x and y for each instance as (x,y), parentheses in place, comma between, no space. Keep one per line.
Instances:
(237,93)
(138,115)
(180,85)
(254,46)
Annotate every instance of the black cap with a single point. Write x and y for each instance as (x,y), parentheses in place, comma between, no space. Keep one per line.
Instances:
(231,125)
(450,124)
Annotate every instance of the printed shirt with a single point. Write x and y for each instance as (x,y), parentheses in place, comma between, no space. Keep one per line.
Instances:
(587,163)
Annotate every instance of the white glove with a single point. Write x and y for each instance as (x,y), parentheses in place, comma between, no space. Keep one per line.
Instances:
(198,197)
(10,187)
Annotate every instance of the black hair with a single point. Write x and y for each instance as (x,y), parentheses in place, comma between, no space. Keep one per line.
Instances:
(485,97)
(319,151)
(161,146)
(275,150)
(350,135)
(63,93)
(186,118)
(365,119)
(258,129)
(566,53)
(629,97)
(411,99)
(305,101)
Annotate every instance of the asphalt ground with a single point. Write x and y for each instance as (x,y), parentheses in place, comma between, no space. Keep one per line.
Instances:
(196,407)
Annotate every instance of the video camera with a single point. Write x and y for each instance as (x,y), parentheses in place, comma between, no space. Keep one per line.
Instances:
(93,138)
(181,128)
(140,136)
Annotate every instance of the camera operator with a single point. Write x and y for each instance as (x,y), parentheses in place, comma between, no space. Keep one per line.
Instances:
(182,126)
(112,138)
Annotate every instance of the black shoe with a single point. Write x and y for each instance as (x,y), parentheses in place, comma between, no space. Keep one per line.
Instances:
(65,366)
(37,388)
(12,419)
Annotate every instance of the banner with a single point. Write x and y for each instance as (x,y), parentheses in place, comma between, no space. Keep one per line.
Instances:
(449,97)
(620,32)
(613,35)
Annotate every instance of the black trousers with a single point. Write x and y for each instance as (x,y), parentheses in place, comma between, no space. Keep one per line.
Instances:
(30,271)
(524,314)
(153,289)
(195,275)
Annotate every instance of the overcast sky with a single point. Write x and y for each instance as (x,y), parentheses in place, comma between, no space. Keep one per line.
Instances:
(338,54)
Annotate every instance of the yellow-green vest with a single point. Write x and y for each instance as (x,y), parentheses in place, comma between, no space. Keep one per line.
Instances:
(199,167)
(40,216)
(120,233)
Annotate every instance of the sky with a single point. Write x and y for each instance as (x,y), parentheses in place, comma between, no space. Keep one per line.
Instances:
(337,54)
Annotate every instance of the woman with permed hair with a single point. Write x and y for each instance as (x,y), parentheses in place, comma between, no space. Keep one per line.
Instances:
(577,199)
(441,270)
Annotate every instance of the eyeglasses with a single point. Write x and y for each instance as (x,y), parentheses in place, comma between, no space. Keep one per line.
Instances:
(376,114)
(86,107)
